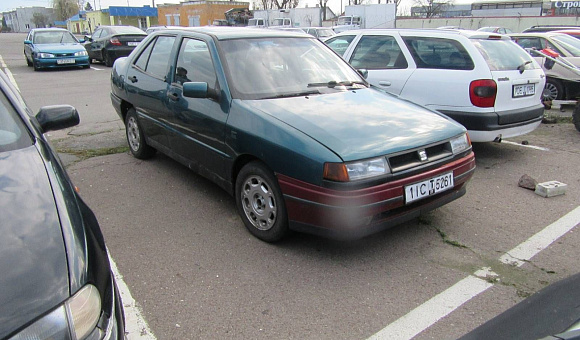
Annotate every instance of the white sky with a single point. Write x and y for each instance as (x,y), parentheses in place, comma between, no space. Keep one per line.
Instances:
(8,5)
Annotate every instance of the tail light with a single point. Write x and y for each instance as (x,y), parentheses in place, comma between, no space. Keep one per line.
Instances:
(482,92)
(115,41)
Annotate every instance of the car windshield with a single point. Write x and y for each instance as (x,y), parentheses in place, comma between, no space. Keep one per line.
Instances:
(54,37)
(283,67)
(325,33)
(13,134)
(571,44)
(504,55)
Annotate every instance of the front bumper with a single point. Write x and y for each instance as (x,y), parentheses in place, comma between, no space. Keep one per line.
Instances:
(53,62)
(358,213)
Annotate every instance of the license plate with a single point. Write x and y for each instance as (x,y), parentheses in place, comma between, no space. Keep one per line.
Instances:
(428,188)
(524,90)
(65,61)
(133,43)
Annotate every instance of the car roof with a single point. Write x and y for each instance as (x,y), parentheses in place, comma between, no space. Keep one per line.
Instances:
(227,33)
(570,31)
(536,34)
(49,29)
(430,31)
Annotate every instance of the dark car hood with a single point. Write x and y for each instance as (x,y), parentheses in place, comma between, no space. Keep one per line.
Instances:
(361,124)
(59,48)
(33,265)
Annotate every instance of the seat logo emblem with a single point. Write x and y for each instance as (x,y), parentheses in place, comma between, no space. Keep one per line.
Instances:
(422,155)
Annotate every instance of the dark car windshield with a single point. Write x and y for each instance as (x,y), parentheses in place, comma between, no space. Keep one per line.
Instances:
(54,37)
(280,67)
(13,133)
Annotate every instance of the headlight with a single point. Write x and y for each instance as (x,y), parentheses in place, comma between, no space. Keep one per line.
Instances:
(78,315)
(81,53)
(345,172)
(45,55)
(460,144)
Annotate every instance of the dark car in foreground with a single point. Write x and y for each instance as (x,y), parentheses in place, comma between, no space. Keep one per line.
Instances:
(108,43)
(54,48)
(550,314)
(290,129)
(56,279)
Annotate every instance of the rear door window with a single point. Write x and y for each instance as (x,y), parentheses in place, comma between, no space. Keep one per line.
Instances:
(439,53)
(378,52)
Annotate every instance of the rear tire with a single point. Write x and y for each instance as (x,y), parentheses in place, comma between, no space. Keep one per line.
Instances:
(108,59)
(260,202)
(136,137)
(554,90)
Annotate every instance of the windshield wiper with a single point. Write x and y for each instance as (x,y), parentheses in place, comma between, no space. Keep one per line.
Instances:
(522,67)
(331,84)
(294,94)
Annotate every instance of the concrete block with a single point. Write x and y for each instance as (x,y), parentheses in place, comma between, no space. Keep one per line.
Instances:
(551,188)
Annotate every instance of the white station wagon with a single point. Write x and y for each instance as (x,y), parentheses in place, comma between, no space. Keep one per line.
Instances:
(482,80)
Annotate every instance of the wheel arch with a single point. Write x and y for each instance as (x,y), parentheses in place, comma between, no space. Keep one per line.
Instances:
(237,166)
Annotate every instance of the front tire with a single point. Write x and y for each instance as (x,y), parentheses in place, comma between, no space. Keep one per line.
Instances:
(28,62)
(260,203)
(136,137)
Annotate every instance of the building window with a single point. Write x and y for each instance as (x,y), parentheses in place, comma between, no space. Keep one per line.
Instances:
(176,19)
(168,19)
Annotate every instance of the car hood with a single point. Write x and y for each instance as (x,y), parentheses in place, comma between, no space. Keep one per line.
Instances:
(32,253)
(361,124)
(59,48)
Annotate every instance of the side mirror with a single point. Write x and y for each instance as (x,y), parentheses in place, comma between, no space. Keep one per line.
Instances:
(27,42)
(88,38)
(195,90)
(363,72)
(57,117)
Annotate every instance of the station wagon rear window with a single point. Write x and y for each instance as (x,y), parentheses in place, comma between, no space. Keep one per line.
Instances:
(504,55)
(439,53)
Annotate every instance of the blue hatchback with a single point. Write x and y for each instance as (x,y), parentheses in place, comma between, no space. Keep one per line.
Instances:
(54,48)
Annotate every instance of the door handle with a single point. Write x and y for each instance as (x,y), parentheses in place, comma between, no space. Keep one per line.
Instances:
(384,83)
(173,96)
(133,79)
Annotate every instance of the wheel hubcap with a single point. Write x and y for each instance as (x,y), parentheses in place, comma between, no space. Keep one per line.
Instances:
(550,92)
(133,134)
(259,203)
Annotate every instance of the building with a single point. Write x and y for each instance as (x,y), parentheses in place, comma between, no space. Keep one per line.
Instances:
(23,19)
(141,17)
(196,13)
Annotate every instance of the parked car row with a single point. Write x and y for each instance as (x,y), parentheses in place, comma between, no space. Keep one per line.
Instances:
(57,47)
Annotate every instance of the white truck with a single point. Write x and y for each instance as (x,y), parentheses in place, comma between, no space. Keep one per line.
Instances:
(366,16)
(293,17)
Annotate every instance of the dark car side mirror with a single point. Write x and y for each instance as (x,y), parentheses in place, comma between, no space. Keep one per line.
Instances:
(88,38)
(27,42)
(195,90)
(57,117)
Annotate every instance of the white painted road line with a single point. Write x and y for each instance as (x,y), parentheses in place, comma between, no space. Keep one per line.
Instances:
(436,308)
(96,69)
(136,327)
(433,310)
(525,146)
(540,241)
